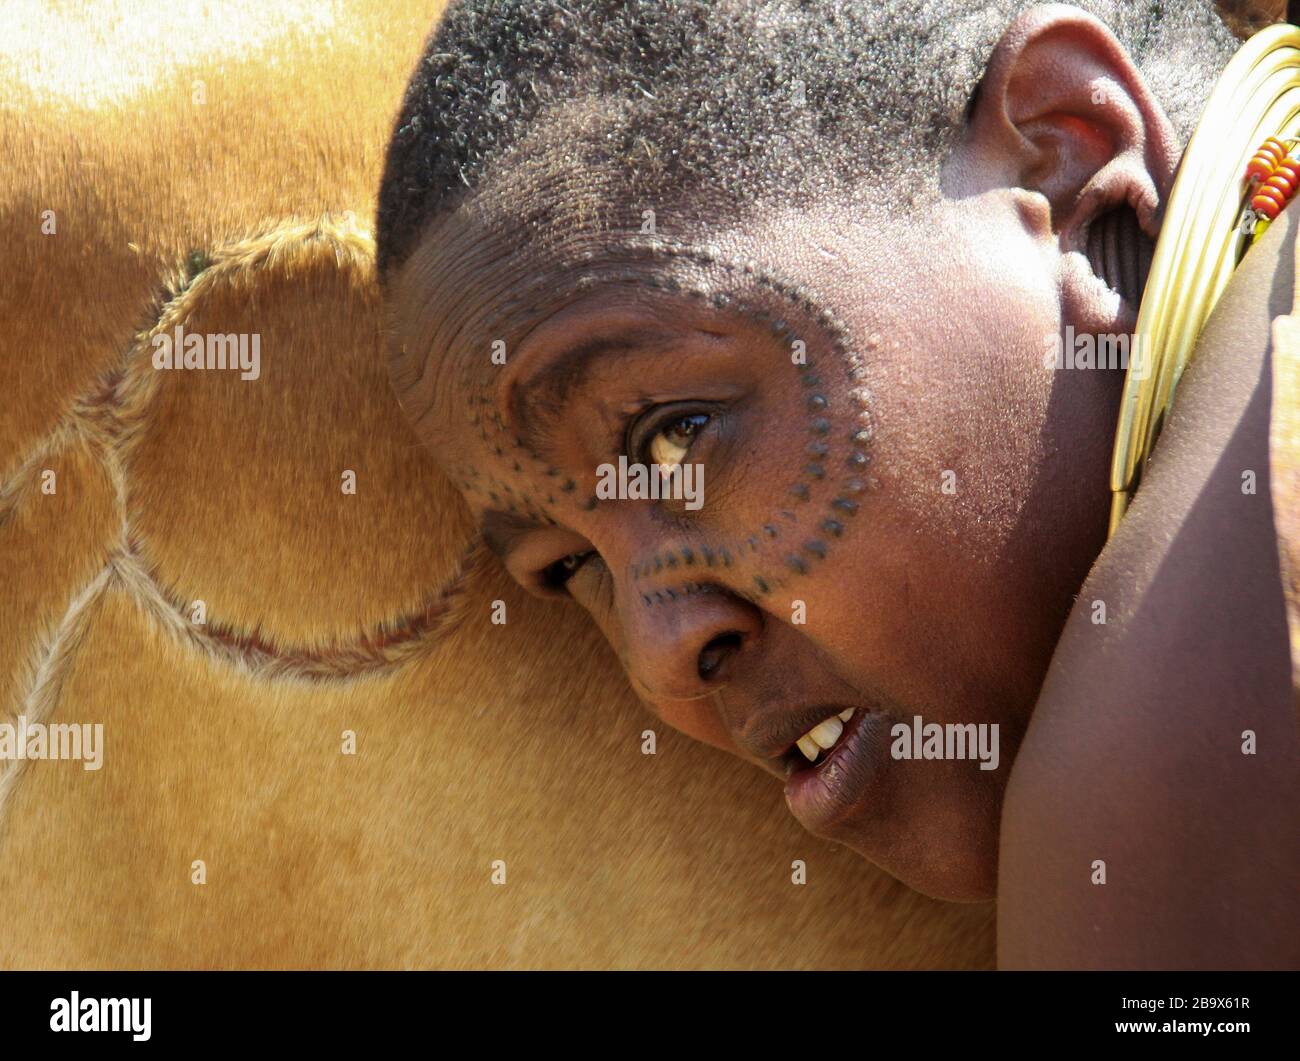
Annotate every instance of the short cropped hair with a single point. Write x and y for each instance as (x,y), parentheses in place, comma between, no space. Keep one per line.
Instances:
(738,101)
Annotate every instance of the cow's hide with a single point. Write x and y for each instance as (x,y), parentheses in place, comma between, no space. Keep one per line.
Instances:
(218,173)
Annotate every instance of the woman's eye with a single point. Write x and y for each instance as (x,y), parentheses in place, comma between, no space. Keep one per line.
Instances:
(671,442)
(557,574)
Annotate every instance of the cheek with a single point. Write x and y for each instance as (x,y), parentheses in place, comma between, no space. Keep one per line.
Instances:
(963,398)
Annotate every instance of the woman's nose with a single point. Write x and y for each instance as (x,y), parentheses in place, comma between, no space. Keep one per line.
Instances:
(689,645)
(713,657)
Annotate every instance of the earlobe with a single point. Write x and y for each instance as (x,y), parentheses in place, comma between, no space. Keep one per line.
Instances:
(1068,114)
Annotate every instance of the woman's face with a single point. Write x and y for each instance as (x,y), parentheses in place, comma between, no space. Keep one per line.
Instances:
(899,499)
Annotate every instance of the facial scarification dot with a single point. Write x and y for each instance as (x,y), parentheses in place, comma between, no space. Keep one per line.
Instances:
(819,425)
(833,527)
(769,530)
(862,437)
(688,556)
(817,548)
(818,449)
(815,470)
(858,460)
(816,403)
(796,564)
(672,560)
(800,491)
(845,505)
(761,583)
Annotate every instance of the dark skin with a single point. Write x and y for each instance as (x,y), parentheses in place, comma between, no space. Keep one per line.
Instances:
(1200,840)
(929,494)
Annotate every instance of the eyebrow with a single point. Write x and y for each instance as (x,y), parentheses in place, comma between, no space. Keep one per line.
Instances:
(541,401)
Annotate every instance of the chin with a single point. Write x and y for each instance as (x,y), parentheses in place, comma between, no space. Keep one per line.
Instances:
(932,826)
(963,876)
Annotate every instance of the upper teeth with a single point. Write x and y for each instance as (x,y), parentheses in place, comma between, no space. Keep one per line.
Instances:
(822,737)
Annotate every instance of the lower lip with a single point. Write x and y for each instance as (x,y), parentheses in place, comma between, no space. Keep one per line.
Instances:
(820,794)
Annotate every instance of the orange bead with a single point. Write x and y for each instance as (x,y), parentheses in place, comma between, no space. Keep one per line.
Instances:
(1266,206)
(1280,183)
(1275,150)
(1276,194)
(1290,169)
(1277,143)
(1260,167)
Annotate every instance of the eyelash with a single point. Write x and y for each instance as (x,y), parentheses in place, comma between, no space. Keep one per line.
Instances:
(645,426)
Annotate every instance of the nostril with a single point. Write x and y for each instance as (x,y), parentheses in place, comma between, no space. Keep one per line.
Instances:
(715,653)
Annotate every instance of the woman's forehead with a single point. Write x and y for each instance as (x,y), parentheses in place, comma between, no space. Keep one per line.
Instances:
(472,281)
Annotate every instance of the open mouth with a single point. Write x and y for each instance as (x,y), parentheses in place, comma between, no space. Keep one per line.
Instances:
(818,743)
(829,769)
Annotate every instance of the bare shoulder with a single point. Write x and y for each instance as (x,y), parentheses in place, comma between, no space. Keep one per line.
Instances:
(1163,757)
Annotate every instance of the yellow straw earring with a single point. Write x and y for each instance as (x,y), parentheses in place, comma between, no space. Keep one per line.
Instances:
(1211,221)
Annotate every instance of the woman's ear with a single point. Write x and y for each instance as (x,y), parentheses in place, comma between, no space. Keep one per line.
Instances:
(1073,118)
(1063,112)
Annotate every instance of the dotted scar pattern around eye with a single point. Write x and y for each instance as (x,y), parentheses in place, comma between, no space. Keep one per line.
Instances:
(832,494)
